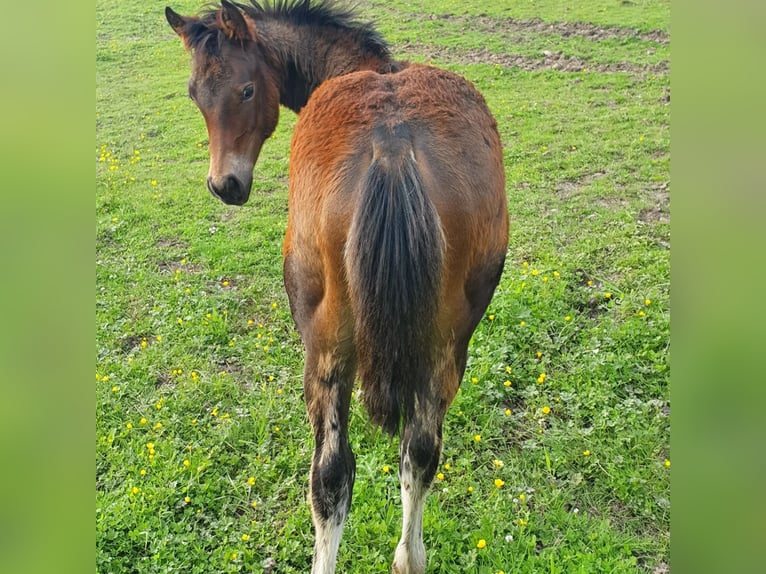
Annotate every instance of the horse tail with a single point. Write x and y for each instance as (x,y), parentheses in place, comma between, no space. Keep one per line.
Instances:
(394,259)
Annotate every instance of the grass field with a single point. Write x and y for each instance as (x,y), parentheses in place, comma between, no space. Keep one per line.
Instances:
(556,453)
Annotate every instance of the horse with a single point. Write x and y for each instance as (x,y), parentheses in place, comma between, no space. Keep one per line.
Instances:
(397,226)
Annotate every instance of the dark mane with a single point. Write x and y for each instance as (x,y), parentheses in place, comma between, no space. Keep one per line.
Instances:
(321,13)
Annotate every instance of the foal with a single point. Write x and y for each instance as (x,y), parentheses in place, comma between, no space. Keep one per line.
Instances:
(397,228)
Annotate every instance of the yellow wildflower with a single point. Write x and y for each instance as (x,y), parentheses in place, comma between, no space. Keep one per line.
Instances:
(386,469)
(499,482)
(187,500)
(667,463)
(245,537)
(507,412)
(251,481)
(186,463)
(546,410)
(477,438)
(586,453)
(481,544)
(440,476)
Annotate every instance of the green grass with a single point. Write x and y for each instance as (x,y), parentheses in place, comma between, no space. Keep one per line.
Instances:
(193,330)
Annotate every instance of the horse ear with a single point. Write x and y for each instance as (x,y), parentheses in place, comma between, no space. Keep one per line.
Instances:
(176,21)
(233,21)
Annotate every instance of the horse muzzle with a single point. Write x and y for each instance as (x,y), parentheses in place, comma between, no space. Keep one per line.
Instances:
(229,189)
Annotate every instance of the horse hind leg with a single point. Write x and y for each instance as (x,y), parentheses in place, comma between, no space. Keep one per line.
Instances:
(420,450)
(327,387)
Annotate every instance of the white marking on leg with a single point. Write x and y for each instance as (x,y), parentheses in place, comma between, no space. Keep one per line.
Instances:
(328,536)
(410,556)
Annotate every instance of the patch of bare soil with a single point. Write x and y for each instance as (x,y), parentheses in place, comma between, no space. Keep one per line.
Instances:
(564,29)
(567,188)
(547,61)
(660,211)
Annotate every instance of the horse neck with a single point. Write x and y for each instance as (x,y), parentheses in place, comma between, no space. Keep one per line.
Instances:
(306,56)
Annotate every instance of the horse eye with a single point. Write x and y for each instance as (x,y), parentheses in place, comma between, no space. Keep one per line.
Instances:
(247,93)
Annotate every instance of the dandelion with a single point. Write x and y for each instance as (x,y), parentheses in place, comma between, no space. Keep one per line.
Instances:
(522,522)
(499,482)
(641,314)
(498,463)
(523,324)
(546,410)
(276,429)
(556,274)
(180,321)
(279,391)
(186,463)
(187,499)
(647,302)
(142,421)
(142,472)
(105,378)
(507,412)
(535,272)
(491,317)
(586,453)
(590,283)
(129,425)
(144,344)
(477,438)
(274,305)
(245,537)
(214,412)
(158,426)
(474,380)
(440,476)
(135,490)
(254,503)
(386,469)
(522,497)
(568,318)
(607,295)
(524,264)
(507,383)
(194,421)
(541,378)
(225,284)
(539,355)
(481,544)
(667,463)
(470,489)
(115,388)
(194,375)
(251,481)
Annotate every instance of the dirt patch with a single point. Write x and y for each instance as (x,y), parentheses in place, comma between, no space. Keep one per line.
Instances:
(570,187)
(660,211)
(585,30)
(546,61)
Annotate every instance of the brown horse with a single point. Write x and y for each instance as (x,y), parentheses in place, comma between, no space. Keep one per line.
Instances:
(397,230)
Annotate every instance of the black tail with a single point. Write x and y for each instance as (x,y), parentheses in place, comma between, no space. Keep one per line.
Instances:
(394,263)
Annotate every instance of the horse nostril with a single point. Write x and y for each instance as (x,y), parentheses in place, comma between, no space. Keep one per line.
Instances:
(211,188)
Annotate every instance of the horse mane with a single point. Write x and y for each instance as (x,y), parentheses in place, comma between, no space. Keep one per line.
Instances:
(321,13)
